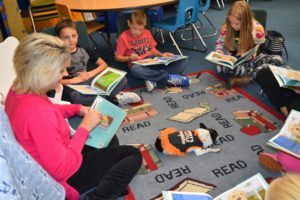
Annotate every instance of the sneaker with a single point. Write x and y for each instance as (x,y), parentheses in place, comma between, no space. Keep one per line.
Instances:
(239,81)
(150,85)
(128,97)
(270,162)
(178,80)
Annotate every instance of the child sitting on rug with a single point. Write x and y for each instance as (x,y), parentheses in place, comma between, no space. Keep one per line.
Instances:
(240,33)
(78,74)
(137,43)
(283,99)
(284,188)
(179,143)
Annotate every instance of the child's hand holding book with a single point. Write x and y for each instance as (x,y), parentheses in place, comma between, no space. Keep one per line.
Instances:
(167,54)
(134,57)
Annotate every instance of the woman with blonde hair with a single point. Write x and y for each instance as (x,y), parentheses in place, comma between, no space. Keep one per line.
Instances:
(240,33)
(40,62)
(285,188)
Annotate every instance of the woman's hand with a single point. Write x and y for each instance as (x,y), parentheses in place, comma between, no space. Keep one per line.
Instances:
(84,110)
(90,120)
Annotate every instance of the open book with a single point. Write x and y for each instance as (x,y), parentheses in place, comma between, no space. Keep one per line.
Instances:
(112,118)
(287,78)
(288,138)
(159,60)
(230,61)
(103,83)
(254,187)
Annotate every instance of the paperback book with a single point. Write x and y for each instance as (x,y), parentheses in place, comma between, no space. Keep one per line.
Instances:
(254,187)
(102,84)
(230,61)
(112,118)
(189,185)
(159,60)
(288,138)
(287,78)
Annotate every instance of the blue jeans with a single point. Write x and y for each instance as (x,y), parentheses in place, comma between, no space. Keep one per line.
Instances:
(157,73)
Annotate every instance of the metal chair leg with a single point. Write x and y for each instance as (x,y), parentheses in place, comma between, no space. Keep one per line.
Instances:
(214,33)
(174,42)
(32,20)
(220,5)
(194,46)
(200,37)
(162,42)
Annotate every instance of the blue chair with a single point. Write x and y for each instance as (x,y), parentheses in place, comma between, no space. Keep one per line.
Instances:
(187,16)
(203,8)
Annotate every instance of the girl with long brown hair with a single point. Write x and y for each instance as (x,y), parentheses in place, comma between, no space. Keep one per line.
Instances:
(240,33)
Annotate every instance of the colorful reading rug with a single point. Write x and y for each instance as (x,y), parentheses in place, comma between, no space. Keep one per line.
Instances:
(244,125)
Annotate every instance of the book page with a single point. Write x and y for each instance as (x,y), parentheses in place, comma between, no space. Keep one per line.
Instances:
(107,80)
(246,56)
(147,61)
(225,60)
(252,188)
(112,118)
(85,89)
(286,77)
(288,138)
(167,60)
(174,195)
(159,60)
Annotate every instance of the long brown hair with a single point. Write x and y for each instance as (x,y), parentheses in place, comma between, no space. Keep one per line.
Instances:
(241,11)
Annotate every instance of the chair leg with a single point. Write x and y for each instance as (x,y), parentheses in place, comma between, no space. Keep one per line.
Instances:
(162,36)
(221,6)
(198,36)
(107,40)
(174,42)
(214,33)
(32,20)
(162,42)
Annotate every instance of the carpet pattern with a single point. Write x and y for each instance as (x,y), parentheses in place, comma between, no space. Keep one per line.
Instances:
(243,123)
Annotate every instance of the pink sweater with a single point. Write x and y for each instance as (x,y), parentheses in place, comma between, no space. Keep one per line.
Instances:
(40,127)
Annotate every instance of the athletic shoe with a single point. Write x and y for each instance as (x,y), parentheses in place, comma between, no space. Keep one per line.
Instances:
(128,97)
(270,162)
(178,80)
(150,85)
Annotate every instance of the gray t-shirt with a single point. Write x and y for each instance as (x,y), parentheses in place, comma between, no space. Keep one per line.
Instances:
(79,61)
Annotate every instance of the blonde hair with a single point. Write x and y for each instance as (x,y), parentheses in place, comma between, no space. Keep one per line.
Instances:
(285,188)
(38,59)
(138,17)
(242,12)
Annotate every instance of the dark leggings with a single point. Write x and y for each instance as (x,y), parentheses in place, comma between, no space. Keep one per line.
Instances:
(109,170)
(279,97)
